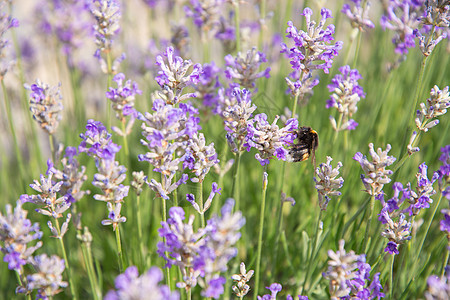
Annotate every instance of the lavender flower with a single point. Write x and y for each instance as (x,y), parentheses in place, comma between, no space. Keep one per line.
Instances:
(97,141)
(72,175)
(222,233)
(173,78)
(301,88)
(444,172)
(327,183)
(402,17)
(348,274)
(46,105)
(346,95)
(274,289)
(48,277)
(444,225)
(437,14)
(312,49)
(180,39)
(182,245)
(201,255)
(358,16)
(396,232)
(241,288)
(268,138)
(244,69)
(107,15)
(53,206)
(236,117)
(16,234)
(434,107)
(138,181)
(68,21)
(123,97)
(208,84)
(421,197)
(191,199)
(129,285)
(204,13)
(199,158)
(438,287)
(110,174)
(6,22)
(375,170)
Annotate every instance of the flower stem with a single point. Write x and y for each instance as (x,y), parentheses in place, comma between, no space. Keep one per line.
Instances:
(66,261)
(260,235)
(391,276)
(428,227)
(200,196)
(139,227)
(52,147)
(312,254)
(108,84)
(237,25)
(87,257)
(369,222)
(235,183)
(13,131)
(119,248)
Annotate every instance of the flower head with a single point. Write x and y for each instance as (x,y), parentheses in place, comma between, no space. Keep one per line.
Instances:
(402,17)
(375,170)
(46,105)
(48,277)
(241,288)
(123,96)
(346,95)
(129,285)
(397,232)
(358,15)
(268,138)
(326,182)
(107,15)
(16,234)
(312,49)
(173,76)
(434,107)
(348,274)
(244,68)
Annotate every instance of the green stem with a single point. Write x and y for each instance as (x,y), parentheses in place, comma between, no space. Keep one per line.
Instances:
(338,125)
(66,261)
(13,131)
(200,197)
(358,46)
(119,248)
(86,251)
(369,222)
(391,276)
(108,85)
(34,136)
(237,26)
(349,49)
(139,227)
(445,261)
(418,90)
(235,183)
(52,147)
(262,17)
(428,227)
(260,235)
(294,106)
(125,142)
(312,254)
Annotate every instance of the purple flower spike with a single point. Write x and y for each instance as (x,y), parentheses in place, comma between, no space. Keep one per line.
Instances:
(346,95)
(129,285)
(316,41)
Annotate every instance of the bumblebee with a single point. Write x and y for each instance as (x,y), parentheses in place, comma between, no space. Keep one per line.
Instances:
(307,143)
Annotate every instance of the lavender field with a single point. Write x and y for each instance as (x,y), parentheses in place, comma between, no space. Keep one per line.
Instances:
(225,149)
